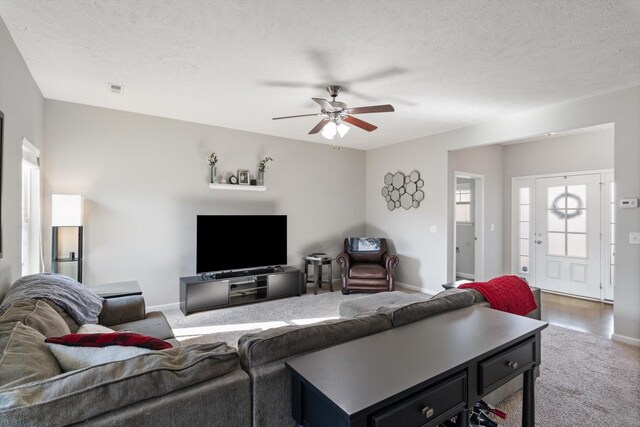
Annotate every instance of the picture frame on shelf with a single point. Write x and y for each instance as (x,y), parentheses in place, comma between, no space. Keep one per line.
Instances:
(243,176)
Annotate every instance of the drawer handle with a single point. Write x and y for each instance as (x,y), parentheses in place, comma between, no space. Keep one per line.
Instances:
(427,412)
(513,365)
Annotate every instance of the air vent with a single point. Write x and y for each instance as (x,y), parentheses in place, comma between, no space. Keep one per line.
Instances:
(116,88)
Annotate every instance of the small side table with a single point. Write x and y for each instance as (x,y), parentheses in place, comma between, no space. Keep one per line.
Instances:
(317,272)
(117,289)
(452,285)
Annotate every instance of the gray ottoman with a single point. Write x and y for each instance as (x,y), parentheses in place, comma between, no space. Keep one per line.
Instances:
(352,308)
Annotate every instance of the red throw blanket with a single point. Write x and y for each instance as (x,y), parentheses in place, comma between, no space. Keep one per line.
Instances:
(506,293)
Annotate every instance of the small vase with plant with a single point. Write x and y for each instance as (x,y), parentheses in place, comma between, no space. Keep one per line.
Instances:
(262,167)
(212,160)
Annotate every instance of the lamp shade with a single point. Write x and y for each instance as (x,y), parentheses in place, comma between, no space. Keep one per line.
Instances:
(66,210)
(329,130)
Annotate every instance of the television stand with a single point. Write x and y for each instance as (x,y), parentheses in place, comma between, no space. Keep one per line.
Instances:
(238,273)
(206,292)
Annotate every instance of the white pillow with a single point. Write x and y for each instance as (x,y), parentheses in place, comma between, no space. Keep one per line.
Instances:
(94,329)
(72,357)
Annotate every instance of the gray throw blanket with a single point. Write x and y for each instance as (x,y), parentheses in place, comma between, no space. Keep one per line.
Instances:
(364,244)
(76,299)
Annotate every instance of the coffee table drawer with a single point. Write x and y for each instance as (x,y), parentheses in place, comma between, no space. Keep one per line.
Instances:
(446,398)
(506,364)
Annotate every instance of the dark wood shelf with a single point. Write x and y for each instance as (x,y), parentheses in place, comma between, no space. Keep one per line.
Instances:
(67,259)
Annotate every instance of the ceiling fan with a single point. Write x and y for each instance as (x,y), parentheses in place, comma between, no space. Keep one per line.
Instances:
(335,114)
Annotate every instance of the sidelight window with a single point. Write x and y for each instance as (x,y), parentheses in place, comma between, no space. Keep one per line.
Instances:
(524,226)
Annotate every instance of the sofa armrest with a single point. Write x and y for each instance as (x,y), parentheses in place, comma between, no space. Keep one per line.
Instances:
(122,310)
(537,313)
(390,262)
(344,262)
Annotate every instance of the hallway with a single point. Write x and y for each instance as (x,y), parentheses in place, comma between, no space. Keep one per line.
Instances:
(593,317)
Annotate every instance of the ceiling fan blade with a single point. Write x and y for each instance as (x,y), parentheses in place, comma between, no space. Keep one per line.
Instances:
(319,126)
(359,123)
(372,109)
(326,105)
(300,115)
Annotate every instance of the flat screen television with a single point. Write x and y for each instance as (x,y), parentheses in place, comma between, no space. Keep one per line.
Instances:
(255,241)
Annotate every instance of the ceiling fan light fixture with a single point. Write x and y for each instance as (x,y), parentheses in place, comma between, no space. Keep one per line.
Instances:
(334,112)
(342,129)
(329,131)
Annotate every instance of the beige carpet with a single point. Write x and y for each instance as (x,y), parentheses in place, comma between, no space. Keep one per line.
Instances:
(585,380)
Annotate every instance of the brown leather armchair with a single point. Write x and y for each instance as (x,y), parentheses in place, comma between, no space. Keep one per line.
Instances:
(370,271)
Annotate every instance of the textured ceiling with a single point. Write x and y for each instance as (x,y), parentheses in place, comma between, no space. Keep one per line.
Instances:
(237,64)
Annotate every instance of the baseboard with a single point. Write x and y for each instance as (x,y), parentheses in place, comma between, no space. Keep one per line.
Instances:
(416,288)
(625,339)
(163,307)
(466,275)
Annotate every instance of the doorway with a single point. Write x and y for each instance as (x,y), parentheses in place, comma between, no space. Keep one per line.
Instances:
(563,226)
(468,230)
(31,215)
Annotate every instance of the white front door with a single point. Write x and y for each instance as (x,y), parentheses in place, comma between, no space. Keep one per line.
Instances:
(567,235)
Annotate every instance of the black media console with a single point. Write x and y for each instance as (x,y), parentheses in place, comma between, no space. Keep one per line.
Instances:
(209,291)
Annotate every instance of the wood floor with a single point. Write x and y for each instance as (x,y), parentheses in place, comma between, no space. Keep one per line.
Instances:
(581,315)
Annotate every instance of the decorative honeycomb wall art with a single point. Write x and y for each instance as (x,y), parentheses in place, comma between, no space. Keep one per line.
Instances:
(402,190)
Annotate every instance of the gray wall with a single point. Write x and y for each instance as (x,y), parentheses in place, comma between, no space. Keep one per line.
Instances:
(145,179)
(486,161)
(424,259)
(591,150)
(23,108)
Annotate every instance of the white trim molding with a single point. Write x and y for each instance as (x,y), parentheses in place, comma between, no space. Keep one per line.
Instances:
(164,307)
(626,340)
(416,288)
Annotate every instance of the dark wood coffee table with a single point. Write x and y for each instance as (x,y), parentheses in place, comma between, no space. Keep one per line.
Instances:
(420,374)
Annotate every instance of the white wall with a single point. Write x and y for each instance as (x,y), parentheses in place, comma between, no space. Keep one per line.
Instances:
(593,150)
(23,108)
(417,235)
(486,161)
(145,179)
(424,254)
(589,150)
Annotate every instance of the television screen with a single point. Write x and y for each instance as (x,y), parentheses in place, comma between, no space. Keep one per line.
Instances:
(257,241)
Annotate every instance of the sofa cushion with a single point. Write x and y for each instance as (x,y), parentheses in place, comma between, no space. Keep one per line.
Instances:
(367,271)
(370,303)
(73,358)
(38,315)
(79,395)
(73,326)
(94,329)
(24,357)
(442,302)
(279,343)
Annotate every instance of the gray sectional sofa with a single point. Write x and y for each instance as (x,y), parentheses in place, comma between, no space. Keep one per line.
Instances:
(204,384)
(194,385)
